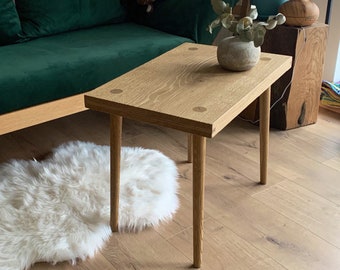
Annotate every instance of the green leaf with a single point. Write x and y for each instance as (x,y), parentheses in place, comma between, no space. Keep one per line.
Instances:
(218,6)
(271,24)
(215,23)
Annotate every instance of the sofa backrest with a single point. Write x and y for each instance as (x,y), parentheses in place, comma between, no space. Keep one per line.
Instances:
(187,18)
(37,18)
(10,27)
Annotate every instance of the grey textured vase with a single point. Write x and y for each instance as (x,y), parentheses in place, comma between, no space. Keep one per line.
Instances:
(237,55)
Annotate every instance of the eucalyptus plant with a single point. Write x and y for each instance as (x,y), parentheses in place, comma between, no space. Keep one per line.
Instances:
(246,28)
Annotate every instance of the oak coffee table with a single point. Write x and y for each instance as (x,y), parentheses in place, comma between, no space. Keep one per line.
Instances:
(186,89)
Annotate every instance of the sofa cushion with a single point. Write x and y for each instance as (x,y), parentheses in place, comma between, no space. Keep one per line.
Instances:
(62,65)
(179,17)
(10,27)
(47,17)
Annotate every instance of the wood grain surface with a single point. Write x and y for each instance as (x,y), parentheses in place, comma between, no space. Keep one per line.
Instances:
(186,89)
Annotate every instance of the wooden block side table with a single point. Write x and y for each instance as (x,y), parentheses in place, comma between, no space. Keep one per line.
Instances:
(296,94)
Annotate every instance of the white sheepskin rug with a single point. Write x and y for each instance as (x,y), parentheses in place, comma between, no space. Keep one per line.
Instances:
(58,209)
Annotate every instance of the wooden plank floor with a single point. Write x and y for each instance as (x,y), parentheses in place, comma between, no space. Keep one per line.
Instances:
(291,223)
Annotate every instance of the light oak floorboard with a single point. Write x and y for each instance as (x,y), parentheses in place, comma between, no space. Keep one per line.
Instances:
(293,222)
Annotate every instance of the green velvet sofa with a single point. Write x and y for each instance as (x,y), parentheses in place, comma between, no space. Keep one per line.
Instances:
(53,51)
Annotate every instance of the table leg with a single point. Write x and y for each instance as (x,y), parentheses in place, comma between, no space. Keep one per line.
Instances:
(199,153)
(115,147)
(264,134)
(189,147)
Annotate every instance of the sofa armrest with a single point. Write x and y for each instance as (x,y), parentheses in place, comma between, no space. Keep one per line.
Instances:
(187,18)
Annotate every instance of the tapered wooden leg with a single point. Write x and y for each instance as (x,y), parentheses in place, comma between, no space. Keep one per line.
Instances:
(199,152)
(115,146)
(264,135)
(190,148)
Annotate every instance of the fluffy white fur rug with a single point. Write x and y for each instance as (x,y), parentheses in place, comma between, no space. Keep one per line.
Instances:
(58,209)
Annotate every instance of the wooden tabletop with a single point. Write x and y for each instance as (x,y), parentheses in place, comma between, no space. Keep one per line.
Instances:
(186,89)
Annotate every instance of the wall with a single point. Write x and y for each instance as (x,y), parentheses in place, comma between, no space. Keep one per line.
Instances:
(332,61)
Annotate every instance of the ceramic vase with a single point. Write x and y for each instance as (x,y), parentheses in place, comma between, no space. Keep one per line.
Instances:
(237,55)
(300,12)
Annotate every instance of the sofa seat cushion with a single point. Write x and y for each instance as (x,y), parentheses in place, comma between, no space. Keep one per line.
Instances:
(46,17)
(54,67)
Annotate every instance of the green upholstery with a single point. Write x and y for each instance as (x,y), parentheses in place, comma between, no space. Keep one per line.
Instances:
(66,47)
(10,27)
(187,18)
(58,66)
(47,17)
